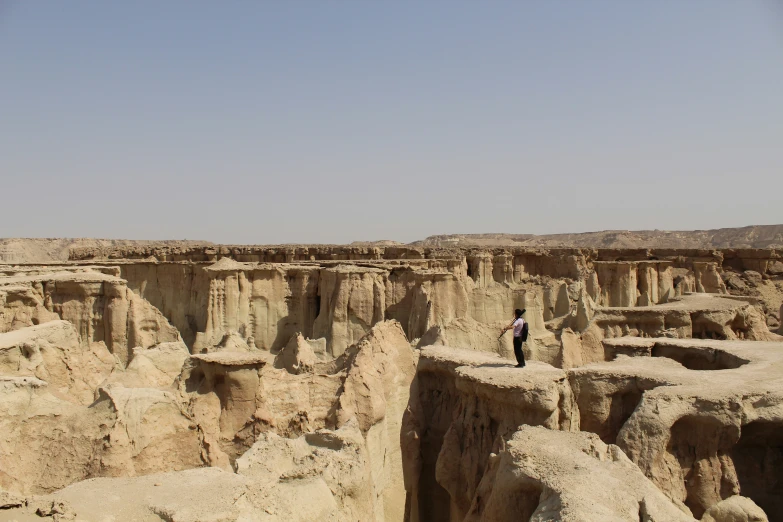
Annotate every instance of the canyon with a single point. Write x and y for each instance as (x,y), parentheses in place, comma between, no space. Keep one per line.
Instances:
(190,381)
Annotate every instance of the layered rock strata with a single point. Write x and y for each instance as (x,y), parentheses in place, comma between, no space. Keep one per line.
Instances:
(266,294)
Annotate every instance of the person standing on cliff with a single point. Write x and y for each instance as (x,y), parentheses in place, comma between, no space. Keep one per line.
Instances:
(520,335)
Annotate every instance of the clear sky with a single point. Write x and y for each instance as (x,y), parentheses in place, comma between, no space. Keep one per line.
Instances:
(334,121)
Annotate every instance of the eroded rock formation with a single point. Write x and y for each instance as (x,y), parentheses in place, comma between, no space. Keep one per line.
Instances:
(369,382)
(464,405)
(49,443)
(94,300)
(553,475)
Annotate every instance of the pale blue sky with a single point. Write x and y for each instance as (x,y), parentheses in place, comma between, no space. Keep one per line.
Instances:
(334,121)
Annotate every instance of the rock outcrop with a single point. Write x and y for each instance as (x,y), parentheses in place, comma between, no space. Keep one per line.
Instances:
(741,509)
(231,410)
(267,294)
(370,382)
(240,398)
(53,352)
(691,444)
(322,476)
(49,443)
(553,475)
(156,367)
(98,304)
(701,443)
(464,405)
(325,475)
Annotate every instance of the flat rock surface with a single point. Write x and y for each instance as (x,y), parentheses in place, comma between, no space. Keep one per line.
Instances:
(463,357)
(692,302)
(192,495)
(87,276)
(535,374)
(235,358)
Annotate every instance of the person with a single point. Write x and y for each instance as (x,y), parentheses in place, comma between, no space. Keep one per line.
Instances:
(520,335)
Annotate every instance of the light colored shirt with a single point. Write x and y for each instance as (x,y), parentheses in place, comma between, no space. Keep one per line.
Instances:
(518,324)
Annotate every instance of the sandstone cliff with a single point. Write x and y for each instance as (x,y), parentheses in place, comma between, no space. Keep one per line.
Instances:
(686,444)
(369,382)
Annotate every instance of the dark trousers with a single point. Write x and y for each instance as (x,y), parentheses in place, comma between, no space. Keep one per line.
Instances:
(518,353)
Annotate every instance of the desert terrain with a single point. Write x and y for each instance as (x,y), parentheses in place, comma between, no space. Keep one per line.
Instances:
(189,381)
(763,236)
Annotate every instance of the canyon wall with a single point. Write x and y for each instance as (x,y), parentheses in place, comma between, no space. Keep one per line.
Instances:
(658,438)
(292,286)
(95,301)
(372,383)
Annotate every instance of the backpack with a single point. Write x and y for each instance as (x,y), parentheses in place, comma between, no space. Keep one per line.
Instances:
(525,331)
